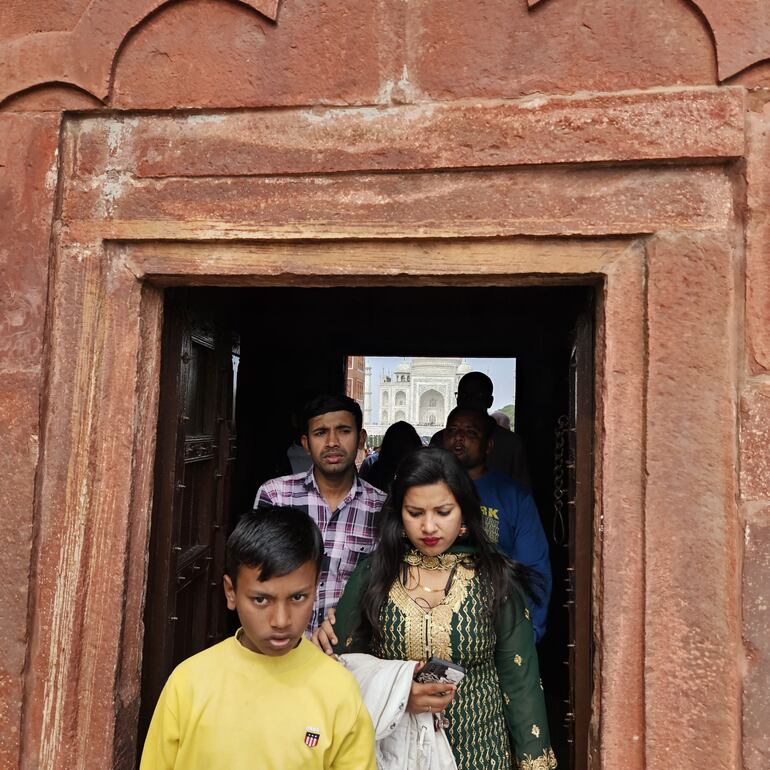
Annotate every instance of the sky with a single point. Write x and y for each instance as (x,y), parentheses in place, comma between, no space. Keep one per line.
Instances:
(502,372)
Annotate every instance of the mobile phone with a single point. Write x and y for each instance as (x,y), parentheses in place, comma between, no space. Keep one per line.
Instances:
(438,670)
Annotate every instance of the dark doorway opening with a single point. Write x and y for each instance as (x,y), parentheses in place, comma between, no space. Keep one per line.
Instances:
(284,343)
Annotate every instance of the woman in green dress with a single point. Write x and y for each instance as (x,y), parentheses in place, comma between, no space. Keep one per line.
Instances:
(436,586)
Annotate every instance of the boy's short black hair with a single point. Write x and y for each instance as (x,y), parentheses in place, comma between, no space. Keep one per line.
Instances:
(329,403)
(277,540)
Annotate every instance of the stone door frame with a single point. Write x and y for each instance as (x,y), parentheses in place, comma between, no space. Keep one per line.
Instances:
(517,202)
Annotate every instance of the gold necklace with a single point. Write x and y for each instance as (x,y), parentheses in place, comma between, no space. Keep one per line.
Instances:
(413,573)
(412,577)
(443,561)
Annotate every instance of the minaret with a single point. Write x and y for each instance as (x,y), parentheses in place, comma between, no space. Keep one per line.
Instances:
(368,395)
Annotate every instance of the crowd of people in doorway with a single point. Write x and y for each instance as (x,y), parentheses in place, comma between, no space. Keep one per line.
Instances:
(388,617)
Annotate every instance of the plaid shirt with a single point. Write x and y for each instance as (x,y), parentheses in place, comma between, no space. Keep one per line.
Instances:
(348,532)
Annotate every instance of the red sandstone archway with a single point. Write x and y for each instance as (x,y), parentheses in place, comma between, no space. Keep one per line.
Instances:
(658,238)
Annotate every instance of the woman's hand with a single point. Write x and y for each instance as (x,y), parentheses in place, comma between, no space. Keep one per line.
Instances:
(430,697)
(323,637)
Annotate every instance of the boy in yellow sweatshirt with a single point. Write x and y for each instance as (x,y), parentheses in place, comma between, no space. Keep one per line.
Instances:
(265,699)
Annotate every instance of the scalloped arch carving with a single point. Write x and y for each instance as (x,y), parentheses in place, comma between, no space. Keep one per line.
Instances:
(58,57)
(741,31)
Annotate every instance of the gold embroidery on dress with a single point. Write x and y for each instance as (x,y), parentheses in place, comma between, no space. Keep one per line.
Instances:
(440,625)
(526,613)
(416,631)
(517,659)
(536,731)
(477,731)
(546,761)
(429,633)
(443,561)
(506,699)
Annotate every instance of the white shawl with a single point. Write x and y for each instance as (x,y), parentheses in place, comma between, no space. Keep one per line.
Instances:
(404,741)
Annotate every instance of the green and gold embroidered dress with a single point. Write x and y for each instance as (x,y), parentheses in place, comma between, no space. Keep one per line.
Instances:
(497,719)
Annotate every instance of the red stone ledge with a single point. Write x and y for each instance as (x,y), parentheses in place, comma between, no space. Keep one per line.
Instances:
(666,124)
(557,201)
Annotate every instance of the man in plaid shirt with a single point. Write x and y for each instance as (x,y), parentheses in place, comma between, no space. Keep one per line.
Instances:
(331,492)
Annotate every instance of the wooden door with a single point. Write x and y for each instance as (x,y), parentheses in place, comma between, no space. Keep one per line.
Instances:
(579,468)
(185,608)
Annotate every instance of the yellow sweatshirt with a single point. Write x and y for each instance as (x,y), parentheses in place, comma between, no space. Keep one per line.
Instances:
(228,708)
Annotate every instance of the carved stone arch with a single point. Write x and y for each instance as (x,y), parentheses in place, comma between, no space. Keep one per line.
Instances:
(52,96)
(739,31)
(85,56)
(431,407)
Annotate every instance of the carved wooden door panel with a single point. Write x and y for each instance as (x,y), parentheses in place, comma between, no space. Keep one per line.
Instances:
(580,528)
(185,610)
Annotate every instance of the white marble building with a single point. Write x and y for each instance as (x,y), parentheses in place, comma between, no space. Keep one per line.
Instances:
(421,392)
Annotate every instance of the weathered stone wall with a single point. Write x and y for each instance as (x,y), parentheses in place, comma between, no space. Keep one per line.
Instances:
(28,149)
(754,420)
(109,55)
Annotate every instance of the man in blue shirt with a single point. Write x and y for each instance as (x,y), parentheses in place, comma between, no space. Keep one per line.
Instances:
(510,516)
(507,452)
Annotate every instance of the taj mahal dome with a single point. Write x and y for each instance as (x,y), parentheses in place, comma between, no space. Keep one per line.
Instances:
(421,392)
